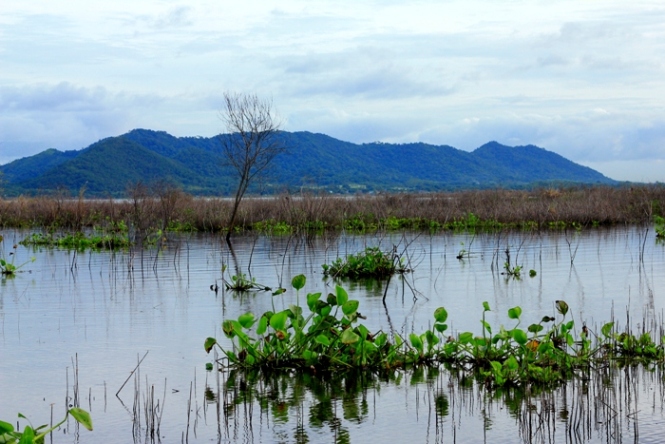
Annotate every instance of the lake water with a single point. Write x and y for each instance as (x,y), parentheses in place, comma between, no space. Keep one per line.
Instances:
(73,327)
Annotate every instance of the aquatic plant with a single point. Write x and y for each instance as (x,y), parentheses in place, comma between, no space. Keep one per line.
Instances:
(370,263)
(79,241)
(659,222)
(35,435)
(331,337)
(8,268)
(241,283)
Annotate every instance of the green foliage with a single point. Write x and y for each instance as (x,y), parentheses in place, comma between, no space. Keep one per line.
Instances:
(331,337)
(7,267)
(370,263)
(514,272)
(241,283)
(35,435)
(193,163)
(80,241)
(659,222)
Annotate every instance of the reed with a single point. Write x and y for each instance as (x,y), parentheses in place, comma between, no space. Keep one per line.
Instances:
(147,210)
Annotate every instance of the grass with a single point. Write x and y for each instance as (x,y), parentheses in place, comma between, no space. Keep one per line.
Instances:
(147,212)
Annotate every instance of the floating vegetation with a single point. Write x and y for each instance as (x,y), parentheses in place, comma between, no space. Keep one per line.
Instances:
(35,435)
(330,337)
(370,263)
(79,241)
(8,267)
(659,226)
(241,283)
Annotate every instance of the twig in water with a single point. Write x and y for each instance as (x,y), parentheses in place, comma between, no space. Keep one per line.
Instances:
(130,375)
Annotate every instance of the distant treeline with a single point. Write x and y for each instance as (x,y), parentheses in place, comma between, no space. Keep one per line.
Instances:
(170,209)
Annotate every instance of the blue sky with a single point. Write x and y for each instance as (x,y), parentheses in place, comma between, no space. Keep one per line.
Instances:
(582,78)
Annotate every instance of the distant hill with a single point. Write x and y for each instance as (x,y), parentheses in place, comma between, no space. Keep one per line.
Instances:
(313,161)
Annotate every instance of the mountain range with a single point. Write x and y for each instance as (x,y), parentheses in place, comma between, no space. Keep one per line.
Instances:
(312,161)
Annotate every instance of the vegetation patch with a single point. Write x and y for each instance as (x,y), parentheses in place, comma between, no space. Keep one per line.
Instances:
(79,241)
(370,263)
(330,337)
(35,435)
(8,267)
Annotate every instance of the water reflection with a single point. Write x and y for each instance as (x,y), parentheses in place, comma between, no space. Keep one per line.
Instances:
(611,404)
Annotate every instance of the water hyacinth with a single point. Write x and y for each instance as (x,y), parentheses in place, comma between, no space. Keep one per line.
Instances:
(332,337)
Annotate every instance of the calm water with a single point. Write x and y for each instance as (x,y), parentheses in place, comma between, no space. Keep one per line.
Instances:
(103,312)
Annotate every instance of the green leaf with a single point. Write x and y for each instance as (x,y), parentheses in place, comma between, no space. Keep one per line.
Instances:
(381,340)
(349,337)
(246,320)
(312,299)
(28,436)
(466,337)
(511,363)
(515,312)
(227,328)
(209,366)
(431,338)
(332,299)
(82,417)
(440,327)
(298,282)
(416,342)
(309,356)
(535,328)
(279,291)
(342,295)
(209,344)
(5,427)
(263,325)
(561,307)
(440,314)
(350,307)
(278,320)
(323,340)
(606,330)
(486,326)
(486,306)
(519,336)
(363,331)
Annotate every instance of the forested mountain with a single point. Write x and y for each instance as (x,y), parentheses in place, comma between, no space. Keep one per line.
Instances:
(312,161)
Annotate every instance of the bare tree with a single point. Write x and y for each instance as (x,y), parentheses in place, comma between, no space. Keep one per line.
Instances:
(252,142)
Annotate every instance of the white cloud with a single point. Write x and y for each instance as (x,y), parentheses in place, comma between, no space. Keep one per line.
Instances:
(583,79)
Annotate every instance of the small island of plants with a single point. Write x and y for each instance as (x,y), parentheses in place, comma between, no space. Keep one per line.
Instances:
(331,337)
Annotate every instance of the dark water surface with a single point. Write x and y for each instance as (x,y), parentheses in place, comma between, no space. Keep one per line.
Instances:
(102,312)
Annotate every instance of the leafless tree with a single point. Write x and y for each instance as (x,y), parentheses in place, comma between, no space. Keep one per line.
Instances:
(252,142)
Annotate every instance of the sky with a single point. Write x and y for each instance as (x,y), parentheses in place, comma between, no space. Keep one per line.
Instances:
(582,78)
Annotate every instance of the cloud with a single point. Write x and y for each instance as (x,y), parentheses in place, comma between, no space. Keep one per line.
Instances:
(584,79)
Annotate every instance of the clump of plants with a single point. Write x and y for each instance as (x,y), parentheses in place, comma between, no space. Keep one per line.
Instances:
(659,223)
(511,271)
(35,435)
(331,337)
(370,263)
(79,241)
(8,267)
(241,283)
